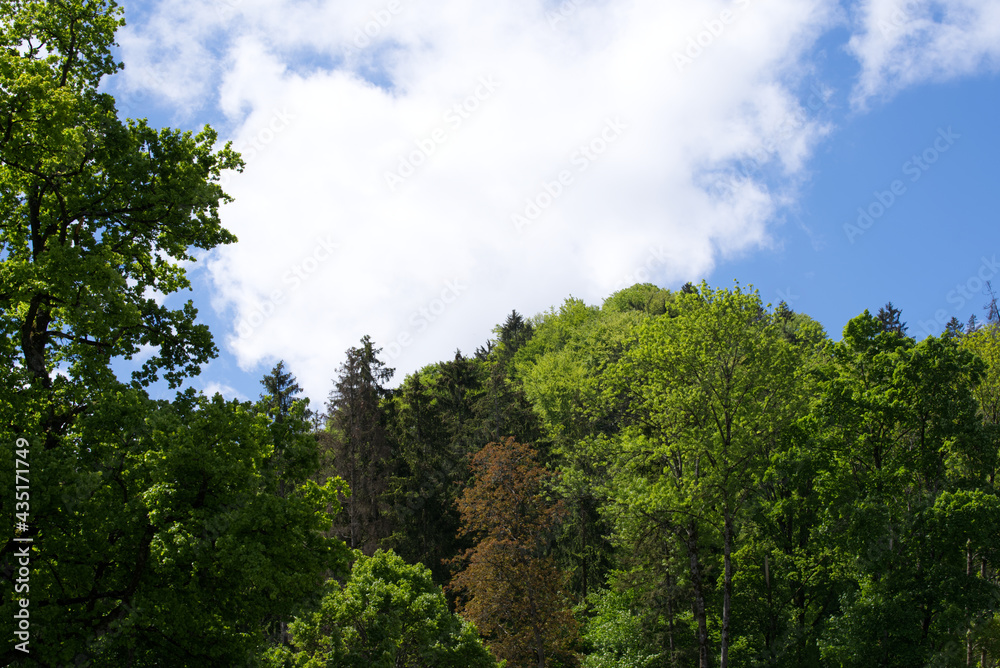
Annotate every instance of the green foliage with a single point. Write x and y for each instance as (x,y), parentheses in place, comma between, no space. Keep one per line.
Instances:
(388,613)
(615,633)
(159,534)
(359,448)
(431,455)
(96,213)
(643,297)
(163,533)
(716,385)
(907,511)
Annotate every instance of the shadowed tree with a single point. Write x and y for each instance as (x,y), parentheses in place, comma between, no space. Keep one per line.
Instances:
(889,317)
(361,450)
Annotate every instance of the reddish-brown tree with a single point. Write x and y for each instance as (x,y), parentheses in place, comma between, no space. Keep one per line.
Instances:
(510,586)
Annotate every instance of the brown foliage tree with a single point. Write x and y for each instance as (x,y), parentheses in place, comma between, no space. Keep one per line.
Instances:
(510,586)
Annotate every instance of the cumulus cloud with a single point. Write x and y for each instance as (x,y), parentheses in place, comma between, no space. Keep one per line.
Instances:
(900,43)
(228,392)
(414,172)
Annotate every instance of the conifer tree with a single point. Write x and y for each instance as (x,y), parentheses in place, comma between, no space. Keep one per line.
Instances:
(362,453)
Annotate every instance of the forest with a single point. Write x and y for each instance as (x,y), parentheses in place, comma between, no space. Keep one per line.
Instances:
(687,477)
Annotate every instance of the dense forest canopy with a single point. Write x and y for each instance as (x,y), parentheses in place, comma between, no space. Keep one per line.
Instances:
(684,477)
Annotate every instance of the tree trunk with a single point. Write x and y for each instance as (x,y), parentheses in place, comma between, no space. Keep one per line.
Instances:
(727,587)
(539,640)
(968,572)
(699,595)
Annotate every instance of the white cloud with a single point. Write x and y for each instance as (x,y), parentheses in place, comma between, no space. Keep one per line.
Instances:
(905,42)
(212,388)
(329,251)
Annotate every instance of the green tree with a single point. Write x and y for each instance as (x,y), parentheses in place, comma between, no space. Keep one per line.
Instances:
(906,507)
(280,391)
(715,386)
(361,449)
(157,536)
(429,474)
(502,409)
(388,613)
(616,634)
(563,372)
(96,213)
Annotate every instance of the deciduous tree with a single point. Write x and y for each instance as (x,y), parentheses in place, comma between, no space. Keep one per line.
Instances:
(510,586)
(386,614)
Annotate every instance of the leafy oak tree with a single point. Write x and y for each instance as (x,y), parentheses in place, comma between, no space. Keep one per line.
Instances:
(388,613)
(157,535)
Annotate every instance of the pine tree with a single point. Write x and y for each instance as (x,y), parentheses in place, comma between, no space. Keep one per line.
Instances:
(281,389)
(889,316)
(362,453)
(954,328)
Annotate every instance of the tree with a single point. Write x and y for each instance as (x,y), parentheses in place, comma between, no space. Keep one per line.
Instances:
(954,328)
(430,469)
(281,388)
(510,586)
(991,307)
(563,373)
(156,536)
(361,447)
(294,457)
(502,409)
(644,297)
(617,634)
(96,213)
(715,385)
(388,613)
(906,505)
(889,317)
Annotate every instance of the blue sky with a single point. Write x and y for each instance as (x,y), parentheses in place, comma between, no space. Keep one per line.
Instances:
(414,172)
